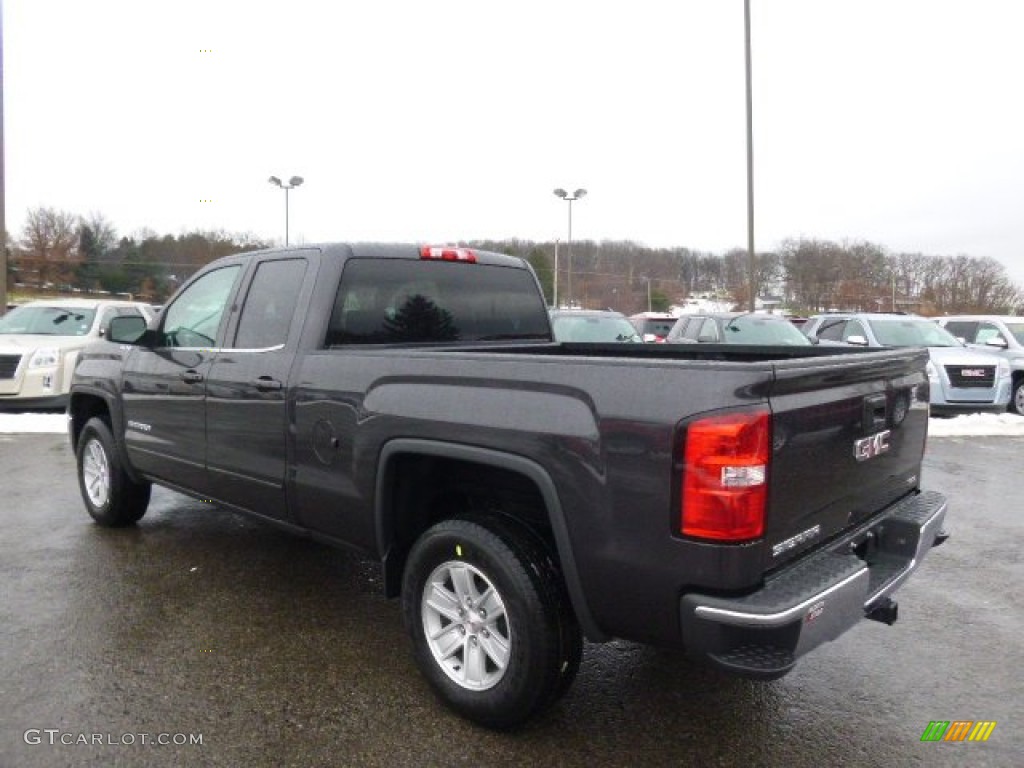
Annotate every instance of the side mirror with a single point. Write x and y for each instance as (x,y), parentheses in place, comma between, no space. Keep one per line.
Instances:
(996,341)
(857,340)
(126,330)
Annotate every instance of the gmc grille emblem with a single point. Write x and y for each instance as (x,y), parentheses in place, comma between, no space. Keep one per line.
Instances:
(869,447)
(973,373)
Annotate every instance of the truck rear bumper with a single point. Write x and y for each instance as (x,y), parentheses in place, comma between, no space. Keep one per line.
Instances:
(815,600)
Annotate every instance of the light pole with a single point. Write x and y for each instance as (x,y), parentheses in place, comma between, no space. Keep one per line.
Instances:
(293,182)
(570,199)
(750,160)
(554,293)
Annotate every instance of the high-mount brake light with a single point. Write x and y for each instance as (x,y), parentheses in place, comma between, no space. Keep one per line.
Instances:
(447,253)
(725,476)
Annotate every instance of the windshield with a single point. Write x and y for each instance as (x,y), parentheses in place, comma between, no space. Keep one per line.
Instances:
(593,328)
(752,329)
(911,332)
(48,321)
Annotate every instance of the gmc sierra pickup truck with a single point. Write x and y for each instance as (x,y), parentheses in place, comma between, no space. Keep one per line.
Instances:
(746,504)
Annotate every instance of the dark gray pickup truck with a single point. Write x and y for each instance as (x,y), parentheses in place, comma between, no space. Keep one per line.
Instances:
(744,503)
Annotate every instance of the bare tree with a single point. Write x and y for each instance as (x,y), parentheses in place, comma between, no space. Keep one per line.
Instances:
(49,245)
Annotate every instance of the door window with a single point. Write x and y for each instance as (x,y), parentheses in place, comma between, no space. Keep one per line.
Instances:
(832,329)
(708,330)
(962,329)
(194,317)
(987,331)
(854,328)
(270,304)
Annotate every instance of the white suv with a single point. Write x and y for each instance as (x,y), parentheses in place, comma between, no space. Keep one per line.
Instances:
(40,342)
(960,379)
(1002,335)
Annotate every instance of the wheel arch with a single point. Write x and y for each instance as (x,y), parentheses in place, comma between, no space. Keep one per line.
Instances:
(88,404)
(401,513)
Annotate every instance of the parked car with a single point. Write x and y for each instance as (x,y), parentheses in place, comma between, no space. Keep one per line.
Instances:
(592,325)
(756,329)
(40,342)
(961,379)
(1000,334)
(653,326)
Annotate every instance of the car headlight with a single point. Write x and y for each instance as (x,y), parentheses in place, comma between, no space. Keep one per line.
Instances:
(44,356)
(1004,367)
(933,372)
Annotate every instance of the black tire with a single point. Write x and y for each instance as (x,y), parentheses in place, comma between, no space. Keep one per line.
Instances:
(532,613)
(111,497)
(1017,397)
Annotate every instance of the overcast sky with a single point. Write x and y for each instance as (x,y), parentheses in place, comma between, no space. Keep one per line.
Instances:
(895,121)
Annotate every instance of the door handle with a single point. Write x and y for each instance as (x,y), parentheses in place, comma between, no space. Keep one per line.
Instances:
(267,384)
(192,377)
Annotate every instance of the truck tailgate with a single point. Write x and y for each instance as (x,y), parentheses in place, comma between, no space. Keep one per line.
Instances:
(848,437)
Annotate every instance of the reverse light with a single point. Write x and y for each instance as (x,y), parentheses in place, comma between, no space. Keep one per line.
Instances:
(44,357)
(725,476)
(446,253)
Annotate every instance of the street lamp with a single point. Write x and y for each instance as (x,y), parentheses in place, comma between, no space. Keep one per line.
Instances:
(554,293)
(293,182)
(570,199)
(752,259)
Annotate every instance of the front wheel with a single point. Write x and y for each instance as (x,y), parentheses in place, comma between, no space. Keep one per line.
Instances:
(489,619)
(112,498)
(1017,398)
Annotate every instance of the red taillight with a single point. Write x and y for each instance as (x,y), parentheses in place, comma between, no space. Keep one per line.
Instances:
(725,476)
(446,253)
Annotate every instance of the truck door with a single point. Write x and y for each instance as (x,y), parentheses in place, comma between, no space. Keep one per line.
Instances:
(165,384)
(247,386)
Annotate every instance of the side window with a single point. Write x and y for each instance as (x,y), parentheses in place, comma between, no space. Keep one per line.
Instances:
(270,304)
(988,331)
(679,329)
(708,330)
(962,329)
(192,320)
(854,328)
(831,329)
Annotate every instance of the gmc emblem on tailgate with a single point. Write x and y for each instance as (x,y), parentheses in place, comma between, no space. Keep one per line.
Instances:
(869,447)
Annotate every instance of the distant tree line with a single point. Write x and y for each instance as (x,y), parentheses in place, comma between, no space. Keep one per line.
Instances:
(805,275)
(62,251)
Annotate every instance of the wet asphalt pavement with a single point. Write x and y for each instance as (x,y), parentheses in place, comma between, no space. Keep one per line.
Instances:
(277,651)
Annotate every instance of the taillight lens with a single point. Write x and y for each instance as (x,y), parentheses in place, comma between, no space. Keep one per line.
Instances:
(725,476)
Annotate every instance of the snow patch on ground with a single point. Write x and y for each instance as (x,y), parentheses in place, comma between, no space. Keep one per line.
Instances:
(968,425)
(977,425)
(24,423)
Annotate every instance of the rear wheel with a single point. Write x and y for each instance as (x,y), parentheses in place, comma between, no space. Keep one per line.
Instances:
(112,498)
(490,623)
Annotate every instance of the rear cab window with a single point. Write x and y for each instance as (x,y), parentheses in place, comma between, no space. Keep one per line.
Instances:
(402,301)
